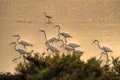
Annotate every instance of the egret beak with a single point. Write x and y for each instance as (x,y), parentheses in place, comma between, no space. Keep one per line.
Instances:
(11,43)
(41,30)
(94,41)
(15,35)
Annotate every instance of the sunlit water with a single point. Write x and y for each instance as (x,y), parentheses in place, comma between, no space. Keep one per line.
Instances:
(84,20)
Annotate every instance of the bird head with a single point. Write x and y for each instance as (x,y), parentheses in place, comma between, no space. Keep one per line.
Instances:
(12,43)
(95,41)
(16,35)
(41,30)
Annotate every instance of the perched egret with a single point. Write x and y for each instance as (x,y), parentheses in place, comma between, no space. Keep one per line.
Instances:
(65,35)
(21,51)
(48,17)
(22,42)
(52,48)
(104,49)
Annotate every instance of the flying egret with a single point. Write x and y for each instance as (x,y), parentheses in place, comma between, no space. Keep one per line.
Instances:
(52,48)
(21,51)
(22,42)
(65,35)
(104,49)
(48,17)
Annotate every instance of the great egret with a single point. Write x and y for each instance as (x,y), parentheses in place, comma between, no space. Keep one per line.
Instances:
(65,35)
(104,49)
(53,39)
(48,17)
(22,42)
(65,46)
(21,51)
(52,48)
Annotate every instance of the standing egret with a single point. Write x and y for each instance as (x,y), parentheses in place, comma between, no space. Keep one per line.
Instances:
(104,49)
(22,42)
(48,17)
(21,51)
(52,48)
(65,35)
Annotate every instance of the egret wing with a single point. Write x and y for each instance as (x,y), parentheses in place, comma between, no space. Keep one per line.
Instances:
(106,49)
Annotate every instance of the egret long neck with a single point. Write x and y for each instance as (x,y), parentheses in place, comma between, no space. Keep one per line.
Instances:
(15,46)
(46,39)
(59,32)
(98,43)
(18,39)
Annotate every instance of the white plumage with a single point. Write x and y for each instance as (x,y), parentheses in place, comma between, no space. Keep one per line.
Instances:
(66,35)
(22,42)
(106,49)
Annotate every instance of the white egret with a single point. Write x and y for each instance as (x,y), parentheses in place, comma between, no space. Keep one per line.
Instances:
(53,39)
(21,51)
(65,46)
(22,42)
(65,35)
(48,17)
(52,48)
(104,49)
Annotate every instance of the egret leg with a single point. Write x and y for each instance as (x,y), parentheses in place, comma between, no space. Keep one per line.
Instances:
(65,40)
(16,58)
(48,20)
(100,56)
(25,47)
(107,58)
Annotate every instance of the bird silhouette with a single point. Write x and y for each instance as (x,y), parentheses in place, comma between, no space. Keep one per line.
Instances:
(65,35)
(22,42)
